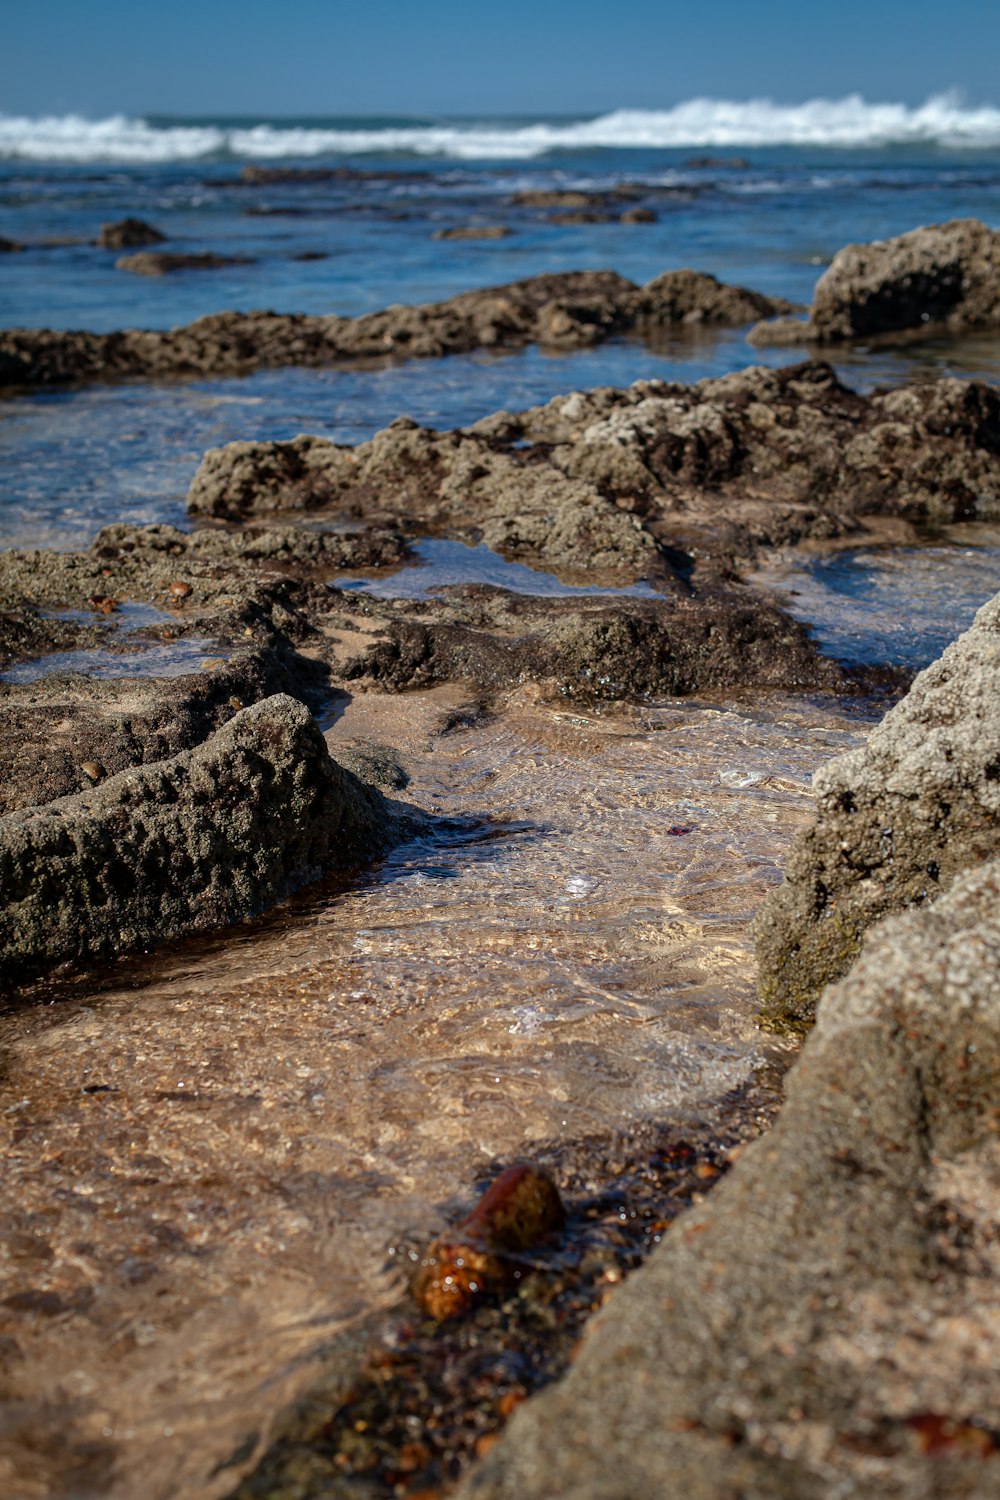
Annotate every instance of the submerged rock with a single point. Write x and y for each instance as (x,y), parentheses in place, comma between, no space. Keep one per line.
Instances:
(161,262)
(206,838)
(829,1322)
(473,232)
(569,310)
(896,822)
(939,277)
(128,234)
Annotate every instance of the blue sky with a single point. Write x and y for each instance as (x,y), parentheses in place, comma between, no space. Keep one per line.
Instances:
(453,56)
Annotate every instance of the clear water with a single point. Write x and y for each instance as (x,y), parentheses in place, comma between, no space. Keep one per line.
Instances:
(443,564)
(209,1151)
(122,657)
(899,606)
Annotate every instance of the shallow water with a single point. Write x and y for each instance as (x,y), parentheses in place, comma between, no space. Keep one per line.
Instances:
(211,1151)
(898,606)
(442,564)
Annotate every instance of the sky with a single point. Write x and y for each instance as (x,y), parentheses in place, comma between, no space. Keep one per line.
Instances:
(432,57)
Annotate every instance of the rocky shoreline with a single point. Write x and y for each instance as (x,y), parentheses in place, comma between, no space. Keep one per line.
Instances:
(829,1318)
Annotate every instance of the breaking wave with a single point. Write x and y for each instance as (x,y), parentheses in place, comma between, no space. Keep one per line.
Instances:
(851,122)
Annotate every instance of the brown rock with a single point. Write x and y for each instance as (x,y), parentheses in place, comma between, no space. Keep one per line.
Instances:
(128,234)
(473,232)
(160,262)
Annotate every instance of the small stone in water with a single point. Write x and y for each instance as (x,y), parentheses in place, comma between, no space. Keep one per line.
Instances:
(103,603)
(521,1208)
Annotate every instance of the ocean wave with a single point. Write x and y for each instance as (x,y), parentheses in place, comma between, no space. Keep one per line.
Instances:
(716,123)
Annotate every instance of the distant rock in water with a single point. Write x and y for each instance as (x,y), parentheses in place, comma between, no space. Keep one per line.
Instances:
(639,216)
(161,262)
(254,176)
(717,163)
(943,277)
(473,232)
(564,310)
(9,247)
(129,234)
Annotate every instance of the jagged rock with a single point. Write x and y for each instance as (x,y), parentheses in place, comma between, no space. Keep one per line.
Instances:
(896,822)
(128,234)
(206,838)
(829,1321)
(941,276)
(161,262)
(568,310)
(762,456)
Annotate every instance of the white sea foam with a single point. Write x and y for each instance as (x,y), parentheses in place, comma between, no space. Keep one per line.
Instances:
(716,123)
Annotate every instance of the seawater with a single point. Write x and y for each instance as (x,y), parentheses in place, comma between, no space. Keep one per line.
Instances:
(210,1150)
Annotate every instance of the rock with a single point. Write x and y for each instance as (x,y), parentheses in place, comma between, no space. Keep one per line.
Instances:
(896,822)
(520,1209)
(828,1322)
(206,838)
(692,297)
(572,197)
(766,456)
(568,310)
(9,247)
(160,262)
(129,234)
(473,232)
(255,176)
(716,163)
(639,216)
(942,277)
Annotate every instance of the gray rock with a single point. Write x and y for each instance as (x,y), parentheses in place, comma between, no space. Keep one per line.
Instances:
(896,822)
(941,276)
(206,838)
(828,1323)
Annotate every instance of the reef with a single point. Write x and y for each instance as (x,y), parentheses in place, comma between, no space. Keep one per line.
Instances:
(570,310)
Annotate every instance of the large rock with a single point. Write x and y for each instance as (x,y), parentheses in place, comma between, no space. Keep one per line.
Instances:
(568,310)
(760,443)
(896,821)
(206,838)
(942,276)
(828,1323)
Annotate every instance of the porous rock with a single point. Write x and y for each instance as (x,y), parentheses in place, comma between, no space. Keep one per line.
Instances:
(206,838)
(568,310)
(129,234)
(938,277)
(828,1322)
(896,822)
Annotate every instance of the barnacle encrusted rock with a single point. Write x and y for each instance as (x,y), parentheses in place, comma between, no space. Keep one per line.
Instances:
(940,276)
(896,821)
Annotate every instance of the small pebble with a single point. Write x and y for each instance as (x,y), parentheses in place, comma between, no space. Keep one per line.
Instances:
(92,769)
(179,590)
(103,603)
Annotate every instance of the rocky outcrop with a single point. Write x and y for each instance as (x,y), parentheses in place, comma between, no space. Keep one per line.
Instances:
(571,310)
(204,839)
(829,1321)
(162,262)
(608,479)
(939,277)
(129,234)
(9,247)
(896,822)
